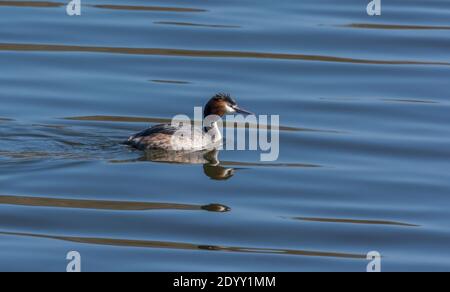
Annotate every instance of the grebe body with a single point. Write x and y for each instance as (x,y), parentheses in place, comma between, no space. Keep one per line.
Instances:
(189,138)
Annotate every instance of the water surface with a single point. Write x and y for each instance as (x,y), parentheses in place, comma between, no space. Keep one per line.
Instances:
(365,143)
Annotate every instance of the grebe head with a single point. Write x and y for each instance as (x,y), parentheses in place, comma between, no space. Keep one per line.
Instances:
(223,104)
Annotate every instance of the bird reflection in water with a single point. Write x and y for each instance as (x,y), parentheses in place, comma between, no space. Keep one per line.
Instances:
(209,159)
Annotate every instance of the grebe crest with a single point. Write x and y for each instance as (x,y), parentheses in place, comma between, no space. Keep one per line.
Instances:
(181,138)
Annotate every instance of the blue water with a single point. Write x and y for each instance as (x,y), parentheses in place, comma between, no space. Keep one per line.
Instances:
(365,144)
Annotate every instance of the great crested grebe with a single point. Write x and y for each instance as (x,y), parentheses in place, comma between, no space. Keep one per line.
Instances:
(175,137)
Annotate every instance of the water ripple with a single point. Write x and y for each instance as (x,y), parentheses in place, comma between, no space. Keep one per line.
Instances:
(170,81)
(190,24)
(207,54)
(101,118)
(190,246)
(31,4)
(107,205)
(148,8)
(354,221)
(396,26)
(47,4)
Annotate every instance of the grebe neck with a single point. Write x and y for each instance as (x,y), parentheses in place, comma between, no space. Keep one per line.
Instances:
(210,123)
(214,132)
